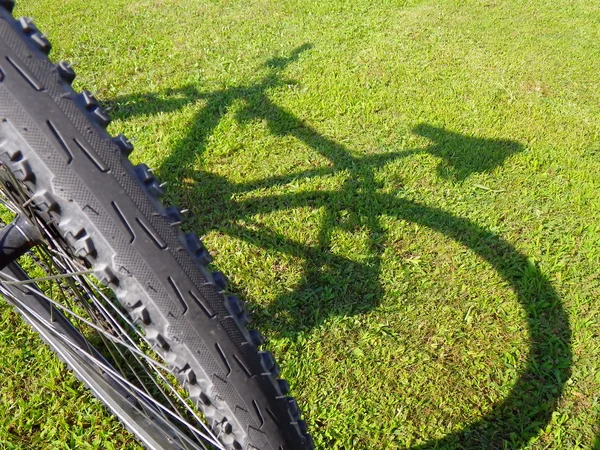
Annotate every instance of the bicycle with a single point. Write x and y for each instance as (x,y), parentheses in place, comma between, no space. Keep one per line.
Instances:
(54,183)
(92,215)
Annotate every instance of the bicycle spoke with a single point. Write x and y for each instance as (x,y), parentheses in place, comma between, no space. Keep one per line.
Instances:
(117,340)
(7,205)
(121,332)
(102,365)
(87,322)
(173,390)
(51,277)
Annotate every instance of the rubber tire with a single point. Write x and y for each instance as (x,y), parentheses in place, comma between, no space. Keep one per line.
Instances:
(54,140)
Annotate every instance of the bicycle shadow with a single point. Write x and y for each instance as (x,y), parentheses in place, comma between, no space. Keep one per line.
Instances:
(335,285)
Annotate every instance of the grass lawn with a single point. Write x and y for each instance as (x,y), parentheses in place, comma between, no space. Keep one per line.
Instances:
(407,194)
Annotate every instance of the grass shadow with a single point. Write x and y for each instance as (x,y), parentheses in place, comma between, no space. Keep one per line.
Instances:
(334,285)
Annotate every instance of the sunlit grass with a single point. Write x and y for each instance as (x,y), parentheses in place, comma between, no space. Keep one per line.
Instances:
(329,152)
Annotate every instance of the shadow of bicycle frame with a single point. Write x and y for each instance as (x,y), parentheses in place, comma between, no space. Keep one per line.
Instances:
(534,396)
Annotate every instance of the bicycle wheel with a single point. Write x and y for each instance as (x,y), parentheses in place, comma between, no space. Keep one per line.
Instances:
(113,285)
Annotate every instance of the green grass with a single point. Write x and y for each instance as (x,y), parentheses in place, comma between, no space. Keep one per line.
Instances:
(405,192)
